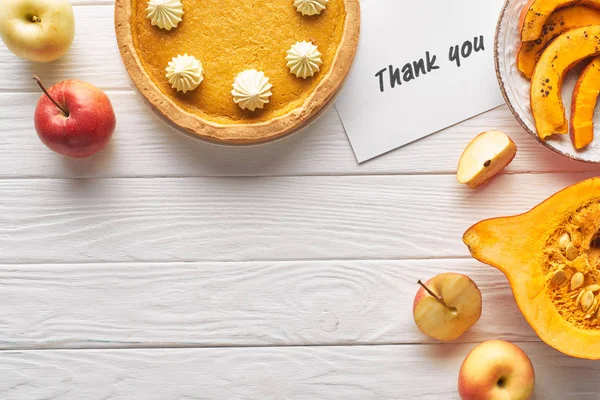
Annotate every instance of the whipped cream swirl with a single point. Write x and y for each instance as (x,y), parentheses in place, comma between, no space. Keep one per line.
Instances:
(185,73)
(166,14)
(251,89)
(310,7)
(304,59)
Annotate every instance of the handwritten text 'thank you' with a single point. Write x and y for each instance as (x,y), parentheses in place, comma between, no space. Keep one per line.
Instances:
(412,70)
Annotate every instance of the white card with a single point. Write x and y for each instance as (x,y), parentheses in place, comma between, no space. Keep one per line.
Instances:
(426,91)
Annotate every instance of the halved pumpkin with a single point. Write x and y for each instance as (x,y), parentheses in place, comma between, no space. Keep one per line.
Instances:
(559,22)
(559,57)
(536,12)
(585,97)
(551,257)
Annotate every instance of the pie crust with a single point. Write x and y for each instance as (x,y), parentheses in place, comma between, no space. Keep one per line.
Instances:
(240,132)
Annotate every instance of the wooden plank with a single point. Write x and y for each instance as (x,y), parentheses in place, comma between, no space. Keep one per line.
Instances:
(252,219)
(235,304)
(427,372)
(144,146)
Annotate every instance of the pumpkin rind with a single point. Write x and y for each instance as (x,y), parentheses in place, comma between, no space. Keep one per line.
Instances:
(558,23)
(585,97)
(536,12)
(557,59)
(519,247)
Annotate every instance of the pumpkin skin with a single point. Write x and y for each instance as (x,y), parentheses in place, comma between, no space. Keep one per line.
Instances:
(536,13)
(557,59)
(585,97)
(558,23)
(527,247)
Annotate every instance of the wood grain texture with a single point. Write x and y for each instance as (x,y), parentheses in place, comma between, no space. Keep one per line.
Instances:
(251,219)
(235,304)
(421,372)
(144,146)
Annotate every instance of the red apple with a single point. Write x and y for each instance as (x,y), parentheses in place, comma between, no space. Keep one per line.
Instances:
(74,118)
(447,305)
(496,370)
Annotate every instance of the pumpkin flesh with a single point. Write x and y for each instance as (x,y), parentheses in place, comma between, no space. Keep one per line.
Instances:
(557,59)
(558,23)
(585,97)
(529,250)
(535,14)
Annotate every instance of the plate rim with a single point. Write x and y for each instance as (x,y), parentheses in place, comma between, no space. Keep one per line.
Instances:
(508,102)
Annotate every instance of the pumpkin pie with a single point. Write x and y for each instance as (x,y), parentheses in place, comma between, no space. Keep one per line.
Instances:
(238,72)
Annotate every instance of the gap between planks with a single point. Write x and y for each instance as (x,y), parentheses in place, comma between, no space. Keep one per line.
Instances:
(309,175)
(279,261)
(33,91)
(166,346)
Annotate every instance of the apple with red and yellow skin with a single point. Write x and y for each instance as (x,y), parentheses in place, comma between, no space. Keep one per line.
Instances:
(484,157)
(447,305)
(496,370)
(37,30)
(74,118)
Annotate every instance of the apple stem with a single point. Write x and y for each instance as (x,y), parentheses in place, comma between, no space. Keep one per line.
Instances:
(35,18)
(435,296)
(41,85)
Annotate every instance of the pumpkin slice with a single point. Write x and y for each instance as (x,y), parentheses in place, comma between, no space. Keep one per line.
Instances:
(585,97)
(559,22)
(551,257)
(561,55)
(535,14)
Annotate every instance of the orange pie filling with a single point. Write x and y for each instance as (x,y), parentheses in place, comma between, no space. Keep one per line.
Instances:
(229,37)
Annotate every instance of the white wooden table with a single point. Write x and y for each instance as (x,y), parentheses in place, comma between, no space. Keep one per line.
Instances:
(168,269)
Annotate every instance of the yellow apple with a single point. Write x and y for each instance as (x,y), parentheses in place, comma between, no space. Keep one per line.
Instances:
(446,306)
(489,153)
(496,370)
(37,30)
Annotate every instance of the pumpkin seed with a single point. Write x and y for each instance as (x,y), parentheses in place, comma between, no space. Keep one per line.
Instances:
(593,288)
(578,296)
(571,252)
(564,240)
(593,309)
(587,300)
(577,281)
(558,278)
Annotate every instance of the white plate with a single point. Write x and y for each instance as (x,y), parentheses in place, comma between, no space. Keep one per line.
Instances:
(515,87)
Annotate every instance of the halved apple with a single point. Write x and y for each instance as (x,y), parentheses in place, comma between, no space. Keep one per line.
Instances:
(585,97)
(447,305)
(488,154)
(560,56)
(559,22)
(536,12)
